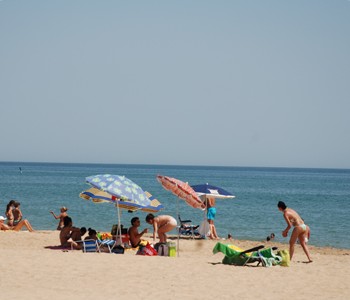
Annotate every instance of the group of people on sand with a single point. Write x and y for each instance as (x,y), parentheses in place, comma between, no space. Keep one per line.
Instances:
(70,235)
(14,217)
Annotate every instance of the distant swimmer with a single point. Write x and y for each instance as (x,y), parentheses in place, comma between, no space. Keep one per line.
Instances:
(20,169)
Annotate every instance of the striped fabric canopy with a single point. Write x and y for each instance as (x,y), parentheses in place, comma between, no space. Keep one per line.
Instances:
(182,190)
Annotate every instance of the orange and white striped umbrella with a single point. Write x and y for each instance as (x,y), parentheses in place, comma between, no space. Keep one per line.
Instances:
(182,190)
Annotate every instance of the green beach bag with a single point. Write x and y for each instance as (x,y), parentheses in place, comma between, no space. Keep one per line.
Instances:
(285,257)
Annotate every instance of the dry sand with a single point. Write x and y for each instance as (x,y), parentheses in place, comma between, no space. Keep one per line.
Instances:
(29,271)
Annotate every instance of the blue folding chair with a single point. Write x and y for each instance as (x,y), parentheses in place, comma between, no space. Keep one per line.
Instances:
(89,246)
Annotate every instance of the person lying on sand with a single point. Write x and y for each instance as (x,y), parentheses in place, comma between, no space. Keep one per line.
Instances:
(17,227)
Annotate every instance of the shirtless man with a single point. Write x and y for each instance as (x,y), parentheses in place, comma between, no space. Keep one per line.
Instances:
(134,235)
(69,234)
(161,225)
(299,232)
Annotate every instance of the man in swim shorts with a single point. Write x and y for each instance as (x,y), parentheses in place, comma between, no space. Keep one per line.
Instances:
(161,225)
(299,232)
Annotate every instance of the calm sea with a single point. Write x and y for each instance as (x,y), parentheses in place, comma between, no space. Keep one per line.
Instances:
(321,196)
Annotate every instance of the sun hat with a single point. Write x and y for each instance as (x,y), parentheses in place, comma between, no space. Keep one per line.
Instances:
(2,218)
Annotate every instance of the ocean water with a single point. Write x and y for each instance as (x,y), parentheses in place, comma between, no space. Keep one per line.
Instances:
(321,196)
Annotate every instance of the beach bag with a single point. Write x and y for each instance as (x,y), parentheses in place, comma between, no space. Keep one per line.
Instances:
(118,249)
(146,250)
(285,258)
(204,229)
(162,249)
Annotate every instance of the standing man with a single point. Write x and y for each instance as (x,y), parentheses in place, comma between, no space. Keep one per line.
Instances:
(211,212)
(299,232)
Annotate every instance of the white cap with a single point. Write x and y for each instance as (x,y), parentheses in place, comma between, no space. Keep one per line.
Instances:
(2,218)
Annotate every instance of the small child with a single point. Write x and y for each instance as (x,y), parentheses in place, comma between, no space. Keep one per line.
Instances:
(61,217)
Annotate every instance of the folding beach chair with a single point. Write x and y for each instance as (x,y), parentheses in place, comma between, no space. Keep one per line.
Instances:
(186,228)
(89,246)
(107,244)
(236,256)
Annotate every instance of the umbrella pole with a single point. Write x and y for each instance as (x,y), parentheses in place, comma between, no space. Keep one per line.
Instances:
(119,230)
(178,230)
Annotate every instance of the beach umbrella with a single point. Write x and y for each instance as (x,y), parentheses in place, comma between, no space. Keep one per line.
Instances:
(182,190)
(121,188)
(209,190)
(98,196)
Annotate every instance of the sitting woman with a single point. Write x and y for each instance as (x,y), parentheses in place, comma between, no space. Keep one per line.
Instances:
(9,213)
(69,234)
(17,227)
(92,234)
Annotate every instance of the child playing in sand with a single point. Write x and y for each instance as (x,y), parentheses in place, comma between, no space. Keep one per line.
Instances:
(60,216)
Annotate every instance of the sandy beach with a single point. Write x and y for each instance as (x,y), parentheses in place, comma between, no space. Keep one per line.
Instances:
(30,271)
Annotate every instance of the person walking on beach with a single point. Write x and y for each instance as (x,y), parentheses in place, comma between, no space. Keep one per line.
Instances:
(211,212)
(60,216)
(134,234)
(161,225)
(299,232)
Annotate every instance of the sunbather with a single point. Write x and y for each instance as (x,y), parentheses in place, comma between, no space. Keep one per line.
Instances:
(134,235)
(17,213)
(69,234)
(92,234)
(17,227)
(9,213)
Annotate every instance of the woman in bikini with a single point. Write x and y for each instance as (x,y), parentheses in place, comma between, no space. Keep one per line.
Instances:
(299,232)
(9,213)
(60,216)
(161,225)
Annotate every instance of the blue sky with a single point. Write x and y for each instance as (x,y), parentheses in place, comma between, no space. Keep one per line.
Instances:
(231,83)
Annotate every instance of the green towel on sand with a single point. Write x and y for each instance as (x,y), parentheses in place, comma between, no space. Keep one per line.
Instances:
(234,257)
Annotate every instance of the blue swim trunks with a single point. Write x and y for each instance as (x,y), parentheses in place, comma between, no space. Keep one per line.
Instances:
(211,213)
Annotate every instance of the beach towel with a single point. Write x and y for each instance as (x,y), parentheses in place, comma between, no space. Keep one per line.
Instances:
(234,256)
